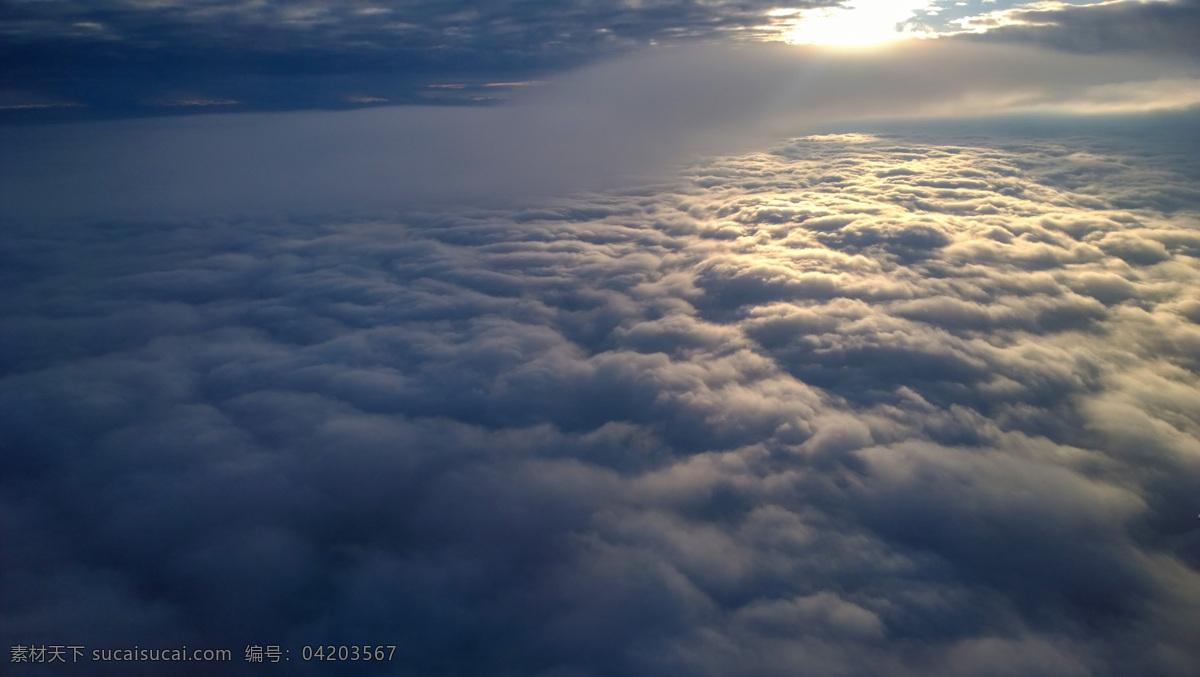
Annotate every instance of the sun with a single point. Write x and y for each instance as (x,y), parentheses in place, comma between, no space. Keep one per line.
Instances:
(860,22)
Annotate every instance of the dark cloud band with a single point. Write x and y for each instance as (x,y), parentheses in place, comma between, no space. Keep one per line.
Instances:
(117,57)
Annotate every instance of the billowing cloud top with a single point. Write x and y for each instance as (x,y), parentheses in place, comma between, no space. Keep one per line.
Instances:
(862,404)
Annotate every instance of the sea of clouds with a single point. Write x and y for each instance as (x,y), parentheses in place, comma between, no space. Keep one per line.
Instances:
(900,403)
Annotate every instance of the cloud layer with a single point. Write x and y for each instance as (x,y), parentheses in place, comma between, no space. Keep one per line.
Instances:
(861,404)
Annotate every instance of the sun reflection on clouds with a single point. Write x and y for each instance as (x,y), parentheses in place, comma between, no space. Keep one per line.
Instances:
(852,138)
(861,22)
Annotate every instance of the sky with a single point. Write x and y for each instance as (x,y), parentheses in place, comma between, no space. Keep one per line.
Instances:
(591,338)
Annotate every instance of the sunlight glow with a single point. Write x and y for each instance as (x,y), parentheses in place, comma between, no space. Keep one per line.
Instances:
(861,22)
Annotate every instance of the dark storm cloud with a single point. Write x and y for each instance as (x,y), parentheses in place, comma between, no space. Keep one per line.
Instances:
(856,405)
(1168,27)
(120,55)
